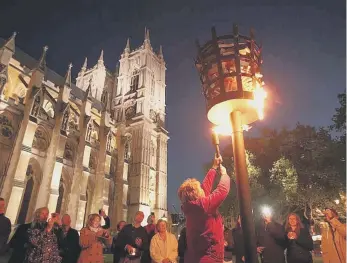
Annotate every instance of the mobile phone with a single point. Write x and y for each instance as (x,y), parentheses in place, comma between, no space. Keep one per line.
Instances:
(54,215)
(100,211)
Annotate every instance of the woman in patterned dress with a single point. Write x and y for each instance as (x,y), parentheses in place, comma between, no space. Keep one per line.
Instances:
(92,239)
(43,242)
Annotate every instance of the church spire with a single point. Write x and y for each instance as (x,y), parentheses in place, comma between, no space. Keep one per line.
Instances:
(68,76)
(127,47)
(147,41)
(84,67)
(160,54)
(10,43)
(101,58)
(42,62)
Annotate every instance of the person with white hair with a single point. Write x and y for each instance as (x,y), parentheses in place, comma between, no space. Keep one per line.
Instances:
(164,245)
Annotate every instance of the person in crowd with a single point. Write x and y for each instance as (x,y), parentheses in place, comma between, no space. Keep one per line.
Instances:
(299,241)
(116,251)
(182,245)
(19,242)
(5,227)
(164,246)
(106,219)
(151,230)
(228,246)
(43,241)
(68,238)
(333,238)
(92,238)
(239,247)
(133,240)
(270,240)
(205,238)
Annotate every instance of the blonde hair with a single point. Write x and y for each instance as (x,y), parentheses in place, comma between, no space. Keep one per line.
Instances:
(190,190)
(92,217)
(38,211)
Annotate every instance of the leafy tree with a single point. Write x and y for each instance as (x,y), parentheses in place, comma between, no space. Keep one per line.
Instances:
(339,118)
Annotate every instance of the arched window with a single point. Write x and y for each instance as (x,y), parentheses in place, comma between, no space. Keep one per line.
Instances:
(134,84)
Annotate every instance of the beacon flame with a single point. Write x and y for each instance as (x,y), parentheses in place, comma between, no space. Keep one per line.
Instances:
(259,100)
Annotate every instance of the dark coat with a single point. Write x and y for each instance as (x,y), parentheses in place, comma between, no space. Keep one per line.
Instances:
(146,256)
(229,248)
(5,230)
(19,243)
(127,236)
(69,245)
(182,245)
(239,246)
(298,250)
(272,237)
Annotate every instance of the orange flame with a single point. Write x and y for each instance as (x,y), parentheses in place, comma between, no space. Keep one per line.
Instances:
(259,100)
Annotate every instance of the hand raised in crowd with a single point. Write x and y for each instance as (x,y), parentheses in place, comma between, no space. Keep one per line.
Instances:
(260,250)
(292,235)
(217,162)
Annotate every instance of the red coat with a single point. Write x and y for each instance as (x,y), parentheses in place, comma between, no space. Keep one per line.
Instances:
(205,238)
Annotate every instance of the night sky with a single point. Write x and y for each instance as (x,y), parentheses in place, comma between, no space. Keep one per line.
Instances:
(304,56)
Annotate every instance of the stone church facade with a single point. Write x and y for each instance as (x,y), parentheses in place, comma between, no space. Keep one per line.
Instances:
(76,148)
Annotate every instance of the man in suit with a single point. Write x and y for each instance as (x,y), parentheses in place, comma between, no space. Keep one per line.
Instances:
(68,241)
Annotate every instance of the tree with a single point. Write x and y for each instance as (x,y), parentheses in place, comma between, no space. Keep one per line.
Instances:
(312,154)
(339,118)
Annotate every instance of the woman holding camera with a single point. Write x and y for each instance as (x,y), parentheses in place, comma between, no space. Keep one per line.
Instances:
(299,241)
(43,241)
(92,239)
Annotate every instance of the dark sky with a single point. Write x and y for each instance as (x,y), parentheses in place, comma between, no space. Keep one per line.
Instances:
(304,55)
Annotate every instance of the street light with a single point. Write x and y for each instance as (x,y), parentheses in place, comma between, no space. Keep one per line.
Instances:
(229,69)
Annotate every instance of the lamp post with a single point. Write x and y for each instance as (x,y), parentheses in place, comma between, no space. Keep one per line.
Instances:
(229,69)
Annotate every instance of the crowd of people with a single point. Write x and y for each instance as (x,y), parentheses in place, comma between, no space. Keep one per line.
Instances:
(49,238)
(206,240)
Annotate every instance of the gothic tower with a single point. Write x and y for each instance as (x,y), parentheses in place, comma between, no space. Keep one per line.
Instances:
(139,111)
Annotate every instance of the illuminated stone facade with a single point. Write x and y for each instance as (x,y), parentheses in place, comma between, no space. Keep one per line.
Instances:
(76,148)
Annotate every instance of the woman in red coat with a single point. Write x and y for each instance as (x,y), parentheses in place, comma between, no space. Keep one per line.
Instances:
(204,225)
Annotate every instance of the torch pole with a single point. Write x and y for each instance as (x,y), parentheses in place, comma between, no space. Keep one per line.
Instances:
(243,189)
(215,141)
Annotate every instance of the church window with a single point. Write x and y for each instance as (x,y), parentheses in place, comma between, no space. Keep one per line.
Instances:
(134,85)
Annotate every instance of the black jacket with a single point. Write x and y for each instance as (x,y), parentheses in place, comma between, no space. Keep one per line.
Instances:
(128,235)
(69,245)
(182,245)
(298,250)
(107,223)
(5,230)
(228,250)
(239,246)
(19,243)
(272,237)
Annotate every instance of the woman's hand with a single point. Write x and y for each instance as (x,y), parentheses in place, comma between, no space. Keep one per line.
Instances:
(216,162)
